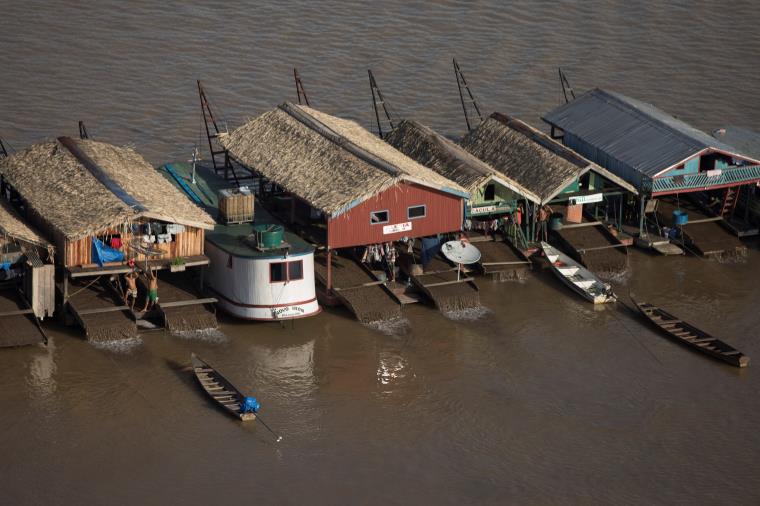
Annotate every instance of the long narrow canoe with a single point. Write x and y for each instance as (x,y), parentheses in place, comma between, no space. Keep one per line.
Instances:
(221,390)
(691,336)
(577,277)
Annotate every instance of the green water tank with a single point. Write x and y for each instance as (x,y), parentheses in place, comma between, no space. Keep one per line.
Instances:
(269,236)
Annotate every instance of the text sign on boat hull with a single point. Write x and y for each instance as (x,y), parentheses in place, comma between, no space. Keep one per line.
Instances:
(398,227)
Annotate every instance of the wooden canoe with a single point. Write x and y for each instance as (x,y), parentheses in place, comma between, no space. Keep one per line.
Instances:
(577,277)
(221,390)
(691,336)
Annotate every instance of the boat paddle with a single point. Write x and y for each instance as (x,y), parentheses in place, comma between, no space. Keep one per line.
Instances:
(279,438)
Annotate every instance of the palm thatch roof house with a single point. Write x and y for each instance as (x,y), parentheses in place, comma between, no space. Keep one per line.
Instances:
(80,191)
(492,193)
(367,191)
(551,171)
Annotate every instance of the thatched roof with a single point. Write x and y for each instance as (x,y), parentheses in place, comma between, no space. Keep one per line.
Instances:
(449,159)
(529,156)
(331,163)
(98,187)
(12,225)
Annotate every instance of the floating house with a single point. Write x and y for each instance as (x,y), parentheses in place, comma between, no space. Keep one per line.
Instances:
(259,270)
(100,206)
(659,154)
(570,185)
(347,188)
(553,173)
(493,194)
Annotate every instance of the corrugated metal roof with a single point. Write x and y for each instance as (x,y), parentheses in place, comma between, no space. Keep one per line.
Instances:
(635,133)
(744,140)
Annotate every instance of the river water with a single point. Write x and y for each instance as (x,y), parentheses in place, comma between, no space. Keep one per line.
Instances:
(542,400)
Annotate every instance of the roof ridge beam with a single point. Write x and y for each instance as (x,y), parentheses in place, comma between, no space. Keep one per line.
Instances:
(99,174)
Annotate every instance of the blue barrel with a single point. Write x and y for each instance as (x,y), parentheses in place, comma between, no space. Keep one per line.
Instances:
(680,217)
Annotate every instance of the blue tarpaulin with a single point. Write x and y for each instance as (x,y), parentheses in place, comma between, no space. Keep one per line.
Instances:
(102,253)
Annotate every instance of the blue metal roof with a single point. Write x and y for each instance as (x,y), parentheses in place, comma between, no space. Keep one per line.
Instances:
(636,134)
(745,141)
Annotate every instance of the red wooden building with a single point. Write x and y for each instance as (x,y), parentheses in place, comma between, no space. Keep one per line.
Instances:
(364,191)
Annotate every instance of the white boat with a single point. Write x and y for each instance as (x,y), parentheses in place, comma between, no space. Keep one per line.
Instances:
(578,277)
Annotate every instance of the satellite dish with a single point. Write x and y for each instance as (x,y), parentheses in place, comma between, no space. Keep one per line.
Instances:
(460,252)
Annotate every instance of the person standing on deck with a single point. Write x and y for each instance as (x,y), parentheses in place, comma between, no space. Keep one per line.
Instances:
(131,280)
(152,297)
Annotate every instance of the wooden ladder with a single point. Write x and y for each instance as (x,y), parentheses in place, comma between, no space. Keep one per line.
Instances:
(730,198)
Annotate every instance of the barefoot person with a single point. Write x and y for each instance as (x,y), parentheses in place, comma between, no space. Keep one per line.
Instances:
(131,280)
(152,297)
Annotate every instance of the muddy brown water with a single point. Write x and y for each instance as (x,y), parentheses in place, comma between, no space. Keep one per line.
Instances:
(543,400)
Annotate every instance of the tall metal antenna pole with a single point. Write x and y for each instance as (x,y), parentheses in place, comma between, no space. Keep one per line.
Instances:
(462,83)
(83,131)
(566,88)
(208,117)
(300,90)
(378,100)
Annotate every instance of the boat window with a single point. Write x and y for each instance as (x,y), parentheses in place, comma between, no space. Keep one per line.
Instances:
(278,272)
(377,217)
(416,212)
(490,192)
(295,270)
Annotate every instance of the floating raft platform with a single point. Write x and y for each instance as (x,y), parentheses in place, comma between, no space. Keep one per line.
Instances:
(703,235)
(440,283)
(357,289)
(180,304)
(594,246)
(17,325)
(501,261)
(96,307)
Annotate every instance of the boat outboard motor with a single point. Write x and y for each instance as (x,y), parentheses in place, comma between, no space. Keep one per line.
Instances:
(251,405)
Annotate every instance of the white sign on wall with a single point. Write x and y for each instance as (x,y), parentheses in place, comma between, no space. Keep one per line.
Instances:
(586,199)
(398,227)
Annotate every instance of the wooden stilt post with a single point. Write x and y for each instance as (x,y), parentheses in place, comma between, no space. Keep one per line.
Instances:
(641,215)
(329,270)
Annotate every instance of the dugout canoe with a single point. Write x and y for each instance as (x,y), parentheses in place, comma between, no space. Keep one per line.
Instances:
(219,389)
(691,336)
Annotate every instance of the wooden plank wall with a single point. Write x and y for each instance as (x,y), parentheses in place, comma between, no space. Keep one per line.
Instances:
(188,243)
